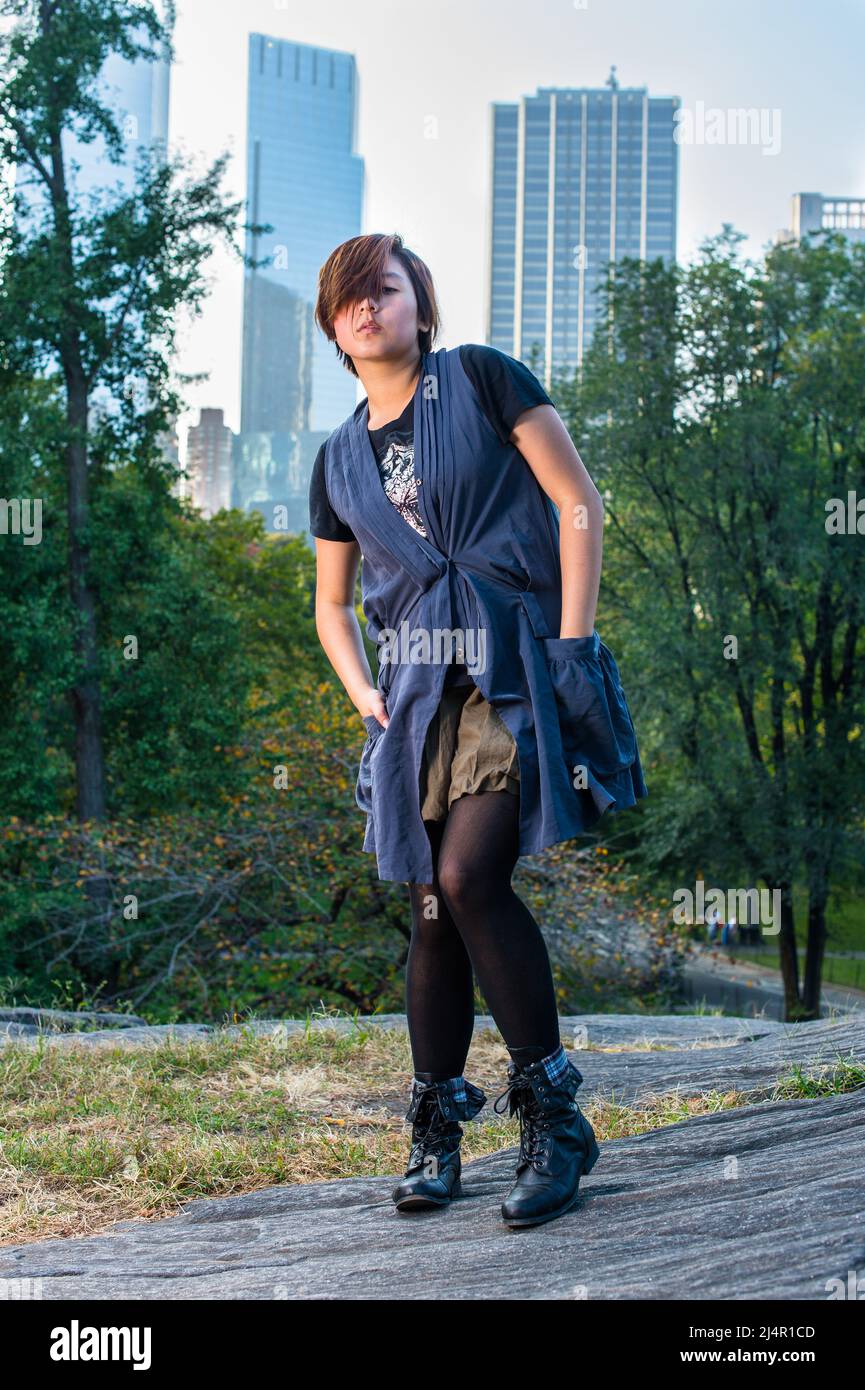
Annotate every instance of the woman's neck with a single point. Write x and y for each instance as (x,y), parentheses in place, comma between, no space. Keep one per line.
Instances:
(387,400)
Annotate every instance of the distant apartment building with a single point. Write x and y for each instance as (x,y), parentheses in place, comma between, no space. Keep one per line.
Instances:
(578,177)
(209,462)
(816,212)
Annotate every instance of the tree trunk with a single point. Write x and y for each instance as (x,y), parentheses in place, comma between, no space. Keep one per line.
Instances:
(788,959)
(84,695)
(817,899)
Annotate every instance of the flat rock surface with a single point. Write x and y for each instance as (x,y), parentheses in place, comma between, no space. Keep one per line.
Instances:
(56,1027)
(751,1062)
(65,1020)
(764,1201)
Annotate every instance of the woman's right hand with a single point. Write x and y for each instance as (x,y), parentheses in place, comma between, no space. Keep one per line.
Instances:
(375,705)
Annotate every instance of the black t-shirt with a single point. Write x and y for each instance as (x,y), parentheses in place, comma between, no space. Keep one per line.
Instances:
(505,388)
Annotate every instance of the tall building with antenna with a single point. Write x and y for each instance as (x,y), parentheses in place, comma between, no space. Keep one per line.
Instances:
(579,176)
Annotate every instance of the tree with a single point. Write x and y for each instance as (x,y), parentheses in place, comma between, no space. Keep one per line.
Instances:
(89,298)
(723,415)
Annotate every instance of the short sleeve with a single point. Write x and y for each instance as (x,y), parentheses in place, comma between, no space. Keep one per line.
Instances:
(505,387)
(323,520)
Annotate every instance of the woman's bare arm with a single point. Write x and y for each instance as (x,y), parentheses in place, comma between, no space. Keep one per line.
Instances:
(337,626)
(544,442)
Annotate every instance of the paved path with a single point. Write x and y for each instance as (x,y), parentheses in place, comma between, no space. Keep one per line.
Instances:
(743,987)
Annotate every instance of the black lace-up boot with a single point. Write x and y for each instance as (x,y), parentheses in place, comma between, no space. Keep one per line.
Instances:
(557,1143)
(432,1177)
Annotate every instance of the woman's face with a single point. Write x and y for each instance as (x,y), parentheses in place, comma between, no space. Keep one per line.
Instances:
(394,315)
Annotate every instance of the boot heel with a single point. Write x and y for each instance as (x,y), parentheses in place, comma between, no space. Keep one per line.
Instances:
(593,1153)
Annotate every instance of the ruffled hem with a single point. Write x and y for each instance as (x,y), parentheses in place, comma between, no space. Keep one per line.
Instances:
(618,790)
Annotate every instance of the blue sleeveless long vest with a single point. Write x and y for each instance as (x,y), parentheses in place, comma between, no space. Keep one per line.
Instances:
(484,587)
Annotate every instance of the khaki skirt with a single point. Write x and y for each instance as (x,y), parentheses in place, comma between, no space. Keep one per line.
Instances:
(468,749)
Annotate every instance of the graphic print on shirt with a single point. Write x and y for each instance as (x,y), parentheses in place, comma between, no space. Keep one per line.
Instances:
(399,481)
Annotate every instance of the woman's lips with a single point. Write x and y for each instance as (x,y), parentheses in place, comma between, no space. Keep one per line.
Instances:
(369,328)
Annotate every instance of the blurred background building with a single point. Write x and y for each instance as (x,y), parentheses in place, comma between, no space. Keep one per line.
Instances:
(816,212)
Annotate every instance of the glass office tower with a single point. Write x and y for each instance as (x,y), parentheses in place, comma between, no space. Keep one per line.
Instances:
(579,177)
(303,177)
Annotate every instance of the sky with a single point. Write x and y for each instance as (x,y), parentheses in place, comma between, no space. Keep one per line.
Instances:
(439,67)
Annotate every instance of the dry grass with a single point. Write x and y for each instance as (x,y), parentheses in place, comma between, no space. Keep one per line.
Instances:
(95,1134)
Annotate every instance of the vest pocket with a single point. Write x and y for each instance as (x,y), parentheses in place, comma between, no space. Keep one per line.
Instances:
(594,719)
(363,785)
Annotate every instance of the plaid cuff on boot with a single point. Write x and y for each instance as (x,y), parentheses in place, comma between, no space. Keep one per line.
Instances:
(556,1064)
(458,1088)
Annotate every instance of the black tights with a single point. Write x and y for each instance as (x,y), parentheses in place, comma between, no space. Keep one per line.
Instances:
(468,917)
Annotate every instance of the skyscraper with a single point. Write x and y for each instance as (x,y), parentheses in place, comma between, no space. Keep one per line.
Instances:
(305,179)
(579,177)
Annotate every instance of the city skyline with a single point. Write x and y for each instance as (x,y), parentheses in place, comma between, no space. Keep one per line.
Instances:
(423,114)
(424,125)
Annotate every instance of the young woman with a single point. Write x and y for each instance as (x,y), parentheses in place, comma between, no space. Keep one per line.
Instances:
(446,480)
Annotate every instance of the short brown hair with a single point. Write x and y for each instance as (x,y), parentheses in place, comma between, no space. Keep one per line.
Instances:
(356,269)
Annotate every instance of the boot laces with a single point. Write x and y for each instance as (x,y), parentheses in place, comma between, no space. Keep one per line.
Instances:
(429,1130)
(521,1101)
(512,1092)
(533,1132)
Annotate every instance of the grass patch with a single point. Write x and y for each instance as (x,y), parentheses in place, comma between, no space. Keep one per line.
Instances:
(94,1134)
(836,970)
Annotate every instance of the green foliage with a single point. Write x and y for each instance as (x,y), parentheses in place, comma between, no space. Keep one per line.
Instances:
(174,672)
(36,663)
(720,415)
(262,901)
(231,868)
